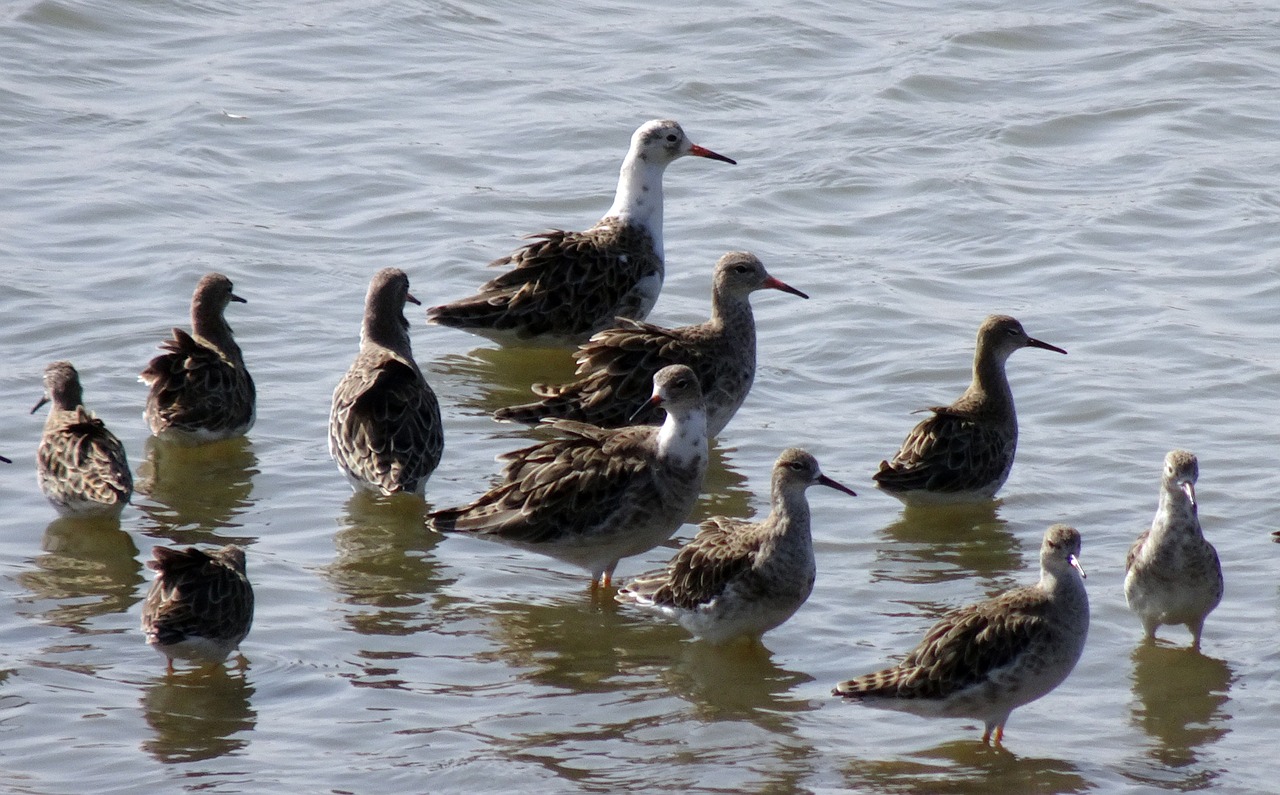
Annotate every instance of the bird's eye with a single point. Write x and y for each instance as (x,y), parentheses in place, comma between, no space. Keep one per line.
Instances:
(672,137)
(740,269)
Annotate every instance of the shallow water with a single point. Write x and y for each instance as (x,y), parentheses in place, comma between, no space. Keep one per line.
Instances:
(1101,170)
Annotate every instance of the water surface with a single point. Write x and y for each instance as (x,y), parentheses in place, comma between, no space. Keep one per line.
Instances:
(1104,171)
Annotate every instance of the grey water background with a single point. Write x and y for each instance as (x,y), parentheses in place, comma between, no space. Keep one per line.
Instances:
(1105,171)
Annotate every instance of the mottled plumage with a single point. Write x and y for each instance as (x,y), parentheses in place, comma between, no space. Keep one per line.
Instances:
(986,659)
(200,389)
(80,465)
(593,496)
(384,426)
(964,452)
(616,366)
(739,578)
(1172,575)
(565,286)
(200,605)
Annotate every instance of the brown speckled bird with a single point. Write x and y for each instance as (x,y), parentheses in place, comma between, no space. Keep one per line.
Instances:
(200,606)
(1172,575)
(80,465)
(200,389)
(593,496)
(616,366)
(964,452)
(385,431)
(742,579)
(984,660)
(565,286)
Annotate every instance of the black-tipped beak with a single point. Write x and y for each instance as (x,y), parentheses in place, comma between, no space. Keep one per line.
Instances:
(702,151)
(778,284)
(39,403)
(656,400)
(1032,342)
(829,483)
(1189,489)
(409,297)
(238,299)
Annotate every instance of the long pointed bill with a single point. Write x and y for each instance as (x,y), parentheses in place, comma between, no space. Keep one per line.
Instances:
(829,483)
(1075,564)
(702,151)
(778,284)
(656,400)
(42,401)
(1032,342)
(1189,489)
(238,299)
(409,297)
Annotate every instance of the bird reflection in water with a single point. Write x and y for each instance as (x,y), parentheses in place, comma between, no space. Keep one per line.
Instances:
(739,681)
(948,542)
(89,568)
(500,377)
(594,647)
(388,580)
(656,680)
(965,766)
(198,714)
(1179,699)
(194,491)
(384,568)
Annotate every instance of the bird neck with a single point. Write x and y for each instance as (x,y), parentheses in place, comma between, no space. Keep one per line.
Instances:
(210,327)
(731,310)
(1175,513)
(67,397)
(638,200)
(990,385)
(1061,580)
(790,509)
(682,439)
(388,330)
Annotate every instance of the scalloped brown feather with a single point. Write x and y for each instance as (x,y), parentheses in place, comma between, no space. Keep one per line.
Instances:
(948,452)
(961,650)
(563,283)
(80,460)
(584,474)
(704,567)
(198,594)
(197,389)
(385,424)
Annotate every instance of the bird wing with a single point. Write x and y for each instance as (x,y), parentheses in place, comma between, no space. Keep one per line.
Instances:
(702,569)
(195,387)
(1136,549)
(945,452)
(570,485)
(385,416)
(615,369)
(196,595)
(561,282)
(99,461)
(964,648)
